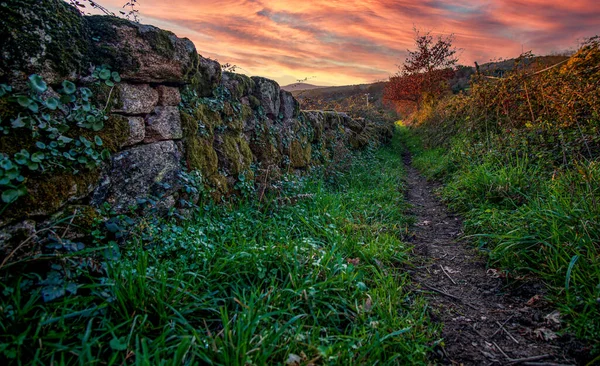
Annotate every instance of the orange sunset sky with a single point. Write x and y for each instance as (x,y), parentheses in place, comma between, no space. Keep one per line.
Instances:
(350,42)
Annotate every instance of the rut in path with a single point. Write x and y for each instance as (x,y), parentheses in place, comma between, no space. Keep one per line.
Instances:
(484,322)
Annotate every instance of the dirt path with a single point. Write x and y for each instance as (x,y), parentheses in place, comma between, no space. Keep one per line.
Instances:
(472,301)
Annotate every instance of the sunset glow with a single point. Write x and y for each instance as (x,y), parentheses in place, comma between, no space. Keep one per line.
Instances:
(352,41)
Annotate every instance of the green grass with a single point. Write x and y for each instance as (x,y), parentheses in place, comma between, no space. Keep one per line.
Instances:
(532,218)
(320,281)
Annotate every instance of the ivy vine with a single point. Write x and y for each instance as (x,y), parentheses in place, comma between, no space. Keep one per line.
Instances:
(48,121)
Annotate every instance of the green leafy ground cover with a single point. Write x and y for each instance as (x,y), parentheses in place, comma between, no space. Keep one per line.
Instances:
(313,276)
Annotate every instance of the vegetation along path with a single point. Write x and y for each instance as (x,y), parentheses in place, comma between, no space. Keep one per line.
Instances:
(485,322)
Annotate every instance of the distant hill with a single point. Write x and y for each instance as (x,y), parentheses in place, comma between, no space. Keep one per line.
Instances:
(300,87)
(362,100)
(342,98)
(339,92)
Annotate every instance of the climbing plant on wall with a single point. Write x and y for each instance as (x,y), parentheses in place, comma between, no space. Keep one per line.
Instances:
(42,131)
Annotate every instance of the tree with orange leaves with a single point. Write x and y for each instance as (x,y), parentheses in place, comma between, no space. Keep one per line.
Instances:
(425,72)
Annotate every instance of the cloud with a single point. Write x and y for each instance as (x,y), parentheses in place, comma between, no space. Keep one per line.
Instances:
(357,41)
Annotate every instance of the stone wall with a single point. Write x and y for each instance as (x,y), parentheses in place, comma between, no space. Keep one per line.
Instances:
(174,111)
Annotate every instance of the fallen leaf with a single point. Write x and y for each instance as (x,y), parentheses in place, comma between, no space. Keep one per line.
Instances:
(545,334)
(355,261)
(450,270)
(493,273)
(293,360)
(368,305)
(533,300)
(553,317)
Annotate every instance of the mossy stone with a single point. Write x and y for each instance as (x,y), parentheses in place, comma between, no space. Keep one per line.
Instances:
(198,143)
(236,153)
(114,135)
(47,37)
(300,156)
(47,194)
(254,102)
(239,85)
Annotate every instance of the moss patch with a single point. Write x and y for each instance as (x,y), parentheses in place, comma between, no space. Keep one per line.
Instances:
(244,85)
(114,135)
(299,156)
(198,141)
(106,97)
(49,193)
(103,30)
(265,149)
(42,35)
(254,102)
(236,154)
(160,40)
(201,156)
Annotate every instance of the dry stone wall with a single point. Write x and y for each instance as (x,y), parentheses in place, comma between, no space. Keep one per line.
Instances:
(174,111)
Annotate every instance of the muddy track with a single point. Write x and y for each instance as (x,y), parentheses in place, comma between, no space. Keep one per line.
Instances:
(485,321)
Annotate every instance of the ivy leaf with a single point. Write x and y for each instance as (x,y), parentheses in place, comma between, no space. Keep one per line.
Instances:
(33,166)
(37,83)
(4,89)
(53,292)
(104,74)
(22,157)
(68,87)
(64,139)
(97,126)
(33,106)
(105,154)
(86,93)
(109,83)
(51,103)
(37,157)
(113,227)
(116,77)
(10,195)
(85,141)
(12,173)
(6,164)
(40,145)
(98,141)
(23,101)
(18,122)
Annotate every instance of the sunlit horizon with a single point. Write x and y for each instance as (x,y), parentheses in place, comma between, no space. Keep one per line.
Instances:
(356,42)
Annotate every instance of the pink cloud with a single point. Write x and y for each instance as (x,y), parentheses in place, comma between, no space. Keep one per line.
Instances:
(357,41)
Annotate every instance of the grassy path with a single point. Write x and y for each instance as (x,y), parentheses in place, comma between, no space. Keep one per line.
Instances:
(317,279)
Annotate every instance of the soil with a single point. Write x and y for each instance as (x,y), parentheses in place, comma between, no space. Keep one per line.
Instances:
(486,319)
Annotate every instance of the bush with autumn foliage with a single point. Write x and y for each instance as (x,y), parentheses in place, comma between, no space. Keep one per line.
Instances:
(520,156)
(425,74)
